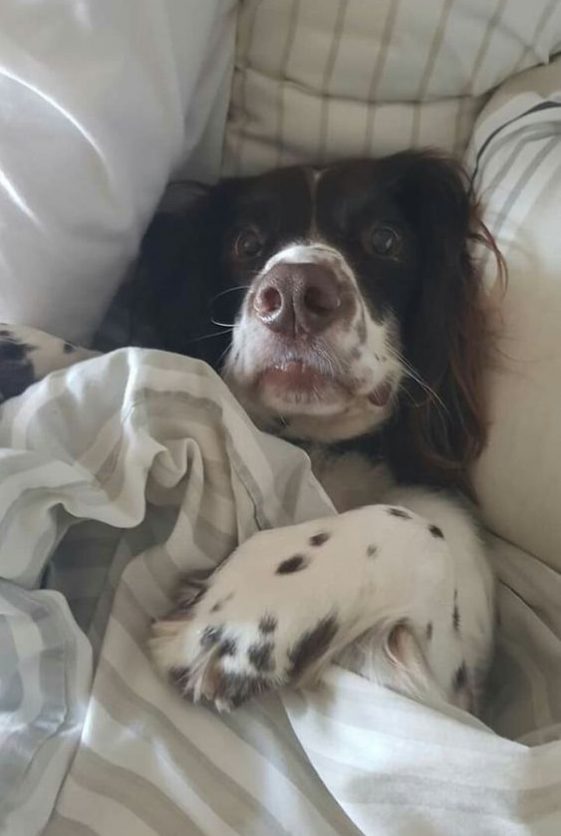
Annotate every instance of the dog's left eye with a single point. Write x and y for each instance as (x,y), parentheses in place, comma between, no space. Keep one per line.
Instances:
(248,244)
(382,240)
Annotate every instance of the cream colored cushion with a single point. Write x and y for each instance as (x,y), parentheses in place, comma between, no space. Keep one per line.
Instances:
(518,139)
(317,79)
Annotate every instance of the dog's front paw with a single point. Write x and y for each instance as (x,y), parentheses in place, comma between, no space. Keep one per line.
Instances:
(276,612)
(289,600)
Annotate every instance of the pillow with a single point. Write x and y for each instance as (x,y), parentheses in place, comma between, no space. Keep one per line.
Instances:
(318,79)
(99,102)
(516,152)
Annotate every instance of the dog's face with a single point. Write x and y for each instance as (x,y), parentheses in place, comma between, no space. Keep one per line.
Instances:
(351,293)
(329,260)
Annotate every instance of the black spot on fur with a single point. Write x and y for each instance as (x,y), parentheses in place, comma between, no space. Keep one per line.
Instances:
(456,617)
(236,688)
(319,539)
(429,631)
(460,678)
(436,531)
(261,656)
(312,644)
(371,550)
(12,350)
(227,647)
(292,564)
(398,512)
(211,636)
(16,369)
(268,624)
(68,348)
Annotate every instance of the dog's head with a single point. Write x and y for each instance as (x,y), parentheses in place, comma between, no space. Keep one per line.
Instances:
(353,298)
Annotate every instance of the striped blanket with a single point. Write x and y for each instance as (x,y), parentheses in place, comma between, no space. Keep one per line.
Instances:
(117,476)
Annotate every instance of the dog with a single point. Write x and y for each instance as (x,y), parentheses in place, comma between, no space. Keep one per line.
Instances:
(343,305)
(353,323)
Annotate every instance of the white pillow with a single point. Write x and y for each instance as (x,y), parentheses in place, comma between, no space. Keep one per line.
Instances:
(99,101)
(517,150)
(318,79)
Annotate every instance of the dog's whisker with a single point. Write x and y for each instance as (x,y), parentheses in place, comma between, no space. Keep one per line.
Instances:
(210,336)
(228,325)
(235,289)
(414,375)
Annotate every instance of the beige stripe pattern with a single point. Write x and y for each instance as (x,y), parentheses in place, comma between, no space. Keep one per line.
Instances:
(169,474)
(346,78)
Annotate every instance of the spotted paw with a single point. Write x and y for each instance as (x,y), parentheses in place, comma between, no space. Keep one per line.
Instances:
(289,600)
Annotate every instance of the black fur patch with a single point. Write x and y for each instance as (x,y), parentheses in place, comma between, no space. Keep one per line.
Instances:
(292,564)
(227,647)
(398,512)
(312,644)
(268,624)
(460,678)
(319,539)
(436,531)
(235,688)
(429,631)
(371,551)
(16,369)
(456,617)
(261,656)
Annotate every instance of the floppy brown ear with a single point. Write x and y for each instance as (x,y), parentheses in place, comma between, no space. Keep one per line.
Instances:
(177,277)
(441,422)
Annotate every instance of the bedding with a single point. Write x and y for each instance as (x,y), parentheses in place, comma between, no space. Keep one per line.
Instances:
(316,80)
(100,103)
(122,472)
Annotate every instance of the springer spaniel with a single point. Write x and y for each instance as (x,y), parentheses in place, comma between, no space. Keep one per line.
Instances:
(359,332)
(352,323)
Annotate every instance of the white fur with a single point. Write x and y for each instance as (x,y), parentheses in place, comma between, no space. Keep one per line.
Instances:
(355,368)
(380,576)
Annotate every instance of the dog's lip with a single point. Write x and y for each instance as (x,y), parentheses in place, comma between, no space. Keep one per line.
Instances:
(298,376)
(295,375)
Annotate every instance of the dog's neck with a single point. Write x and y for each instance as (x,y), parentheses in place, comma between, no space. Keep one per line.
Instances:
(353,472)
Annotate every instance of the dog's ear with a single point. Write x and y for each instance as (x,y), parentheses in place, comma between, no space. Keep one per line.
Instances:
(441,420)
(179,274)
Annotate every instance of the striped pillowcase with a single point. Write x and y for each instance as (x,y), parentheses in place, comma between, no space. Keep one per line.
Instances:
(316,80)
(516,158)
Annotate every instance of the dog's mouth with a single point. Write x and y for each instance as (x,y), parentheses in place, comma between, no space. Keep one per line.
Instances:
(297,382)
(295,376)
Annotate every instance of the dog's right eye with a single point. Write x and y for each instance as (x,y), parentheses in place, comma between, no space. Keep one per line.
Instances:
(248,244)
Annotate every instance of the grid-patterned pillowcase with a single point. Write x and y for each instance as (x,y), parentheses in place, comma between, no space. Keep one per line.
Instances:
(317,79)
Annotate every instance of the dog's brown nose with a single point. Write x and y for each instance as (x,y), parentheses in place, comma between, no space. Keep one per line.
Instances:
(297,298)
